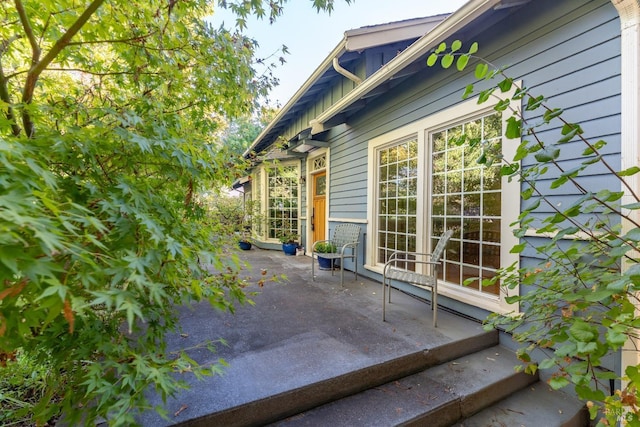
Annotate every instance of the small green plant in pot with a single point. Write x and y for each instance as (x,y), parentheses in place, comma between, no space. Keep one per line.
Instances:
(289,243)
(244,242)
(325,248)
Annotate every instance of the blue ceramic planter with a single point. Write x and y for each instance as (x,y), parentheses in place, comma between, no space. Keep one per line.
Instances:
(289,248)
(324,263)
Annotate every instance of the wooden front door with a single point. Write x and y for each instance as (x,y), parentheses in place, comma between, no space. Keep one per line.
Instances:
(318,216)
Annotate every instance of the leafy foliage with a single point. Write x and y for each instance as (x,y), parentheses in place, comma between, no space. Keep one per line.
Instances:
(578,300)
(107,111)
(325,248)
(240,133)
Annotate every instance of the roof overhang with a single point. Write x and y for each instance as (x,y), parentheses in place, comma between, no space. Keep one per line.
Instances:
(453,24)
(240,182)
(435,29)
(353,41)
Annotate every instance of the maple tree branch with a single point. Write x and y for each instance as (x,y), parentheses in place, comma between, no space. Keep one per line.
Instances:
(26,25)
(40,66)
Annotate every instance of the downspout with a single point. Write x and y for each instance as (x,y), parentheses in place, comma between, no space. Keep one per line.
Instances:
(629,11)
(348,74)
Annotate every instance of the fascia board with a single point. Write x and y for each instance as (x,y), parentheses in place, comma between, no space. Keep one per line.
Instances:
(384,34)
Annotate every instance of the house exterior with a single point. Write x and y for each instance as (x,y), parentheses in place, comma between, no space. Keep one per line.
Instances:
(368,139)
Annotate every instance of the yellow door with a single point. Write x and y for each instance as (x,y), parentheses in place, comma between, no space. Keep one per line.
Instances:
(318,216)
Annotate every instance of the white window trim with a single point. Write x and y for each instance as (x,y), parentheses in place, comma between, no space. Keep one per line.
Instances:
(510,211)
(264,194)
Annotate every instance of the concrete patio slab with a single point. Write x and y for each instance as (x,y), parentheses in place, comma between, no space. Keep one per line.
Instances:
(300,333)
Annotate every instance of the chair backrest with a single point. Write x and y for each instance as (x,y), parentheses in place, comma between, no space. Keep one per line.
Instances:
(436,254)
(345,233)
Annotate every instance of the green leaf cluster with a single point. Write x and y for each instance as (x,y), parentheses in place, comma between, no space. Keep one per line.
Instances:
(110,124)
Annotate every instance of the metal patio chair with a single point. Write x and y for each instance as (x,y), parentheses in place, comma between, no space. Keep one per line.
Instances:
(417,269)
(345,239)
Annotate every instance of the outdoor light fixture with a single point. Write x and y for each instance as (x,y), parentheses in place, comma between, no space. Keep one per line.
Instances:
(306,145)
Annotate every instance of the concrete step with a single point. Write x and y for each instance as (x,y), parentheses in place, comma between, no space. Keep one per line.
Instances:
(296,400)
(536,405)
(438,396)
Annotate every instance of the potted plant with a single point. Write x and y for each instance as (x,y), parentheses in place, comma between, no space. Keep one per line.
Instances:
(244,242)
(250,218)
(289,243)
(325,248)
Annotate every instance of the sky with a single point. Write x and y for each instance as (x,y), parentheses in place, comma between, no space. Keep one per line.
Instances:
(311,36)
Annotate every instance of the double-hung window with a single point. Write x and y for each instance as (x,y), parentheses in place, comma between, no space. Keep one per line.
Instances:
(282,199)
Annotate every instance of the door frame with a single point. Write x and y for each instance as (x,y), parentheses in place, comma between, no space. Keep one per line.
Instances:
(310,171)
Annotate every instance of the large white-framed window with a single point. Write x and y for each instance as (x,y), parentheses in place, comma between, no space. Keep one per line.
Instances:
(283,201)
(425,179)
(276,191)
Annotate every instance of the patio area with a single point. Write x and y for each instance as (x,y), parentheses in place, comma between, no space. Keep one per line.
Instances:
(306,343)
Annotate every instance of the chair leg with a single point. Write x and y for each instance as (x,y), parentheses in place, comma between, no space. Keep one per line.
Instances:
(384,297)
(355,265)
(341,271)
(434,305)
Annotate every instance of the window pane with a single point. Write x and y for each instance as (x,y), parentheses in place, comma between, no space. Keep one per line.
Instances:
(454,181)
(454,137)
(472,154)
(439,162)
(411,225)
(473,129)
(439,141)
(412,209)
(321,185)
(491,230)
(437,225)
(453,205)
(471,273)
(492,126)
(393,171)
(471,204)
(437,207)
(384,171)
(492,204)
(491,256)
(472,179)
(492,178)
(438,184)
(454,250)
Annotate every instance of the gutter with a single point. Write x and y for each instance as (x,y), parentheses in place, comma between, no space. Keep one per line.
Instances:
(454,22)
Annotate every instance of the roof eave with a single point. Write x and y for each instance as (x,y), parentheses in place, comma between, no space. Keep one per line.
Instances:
(449,26)
(338,51)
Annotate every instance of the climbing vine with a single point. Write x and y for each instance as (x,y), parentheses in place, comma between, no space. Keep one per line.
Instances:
(579,274)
